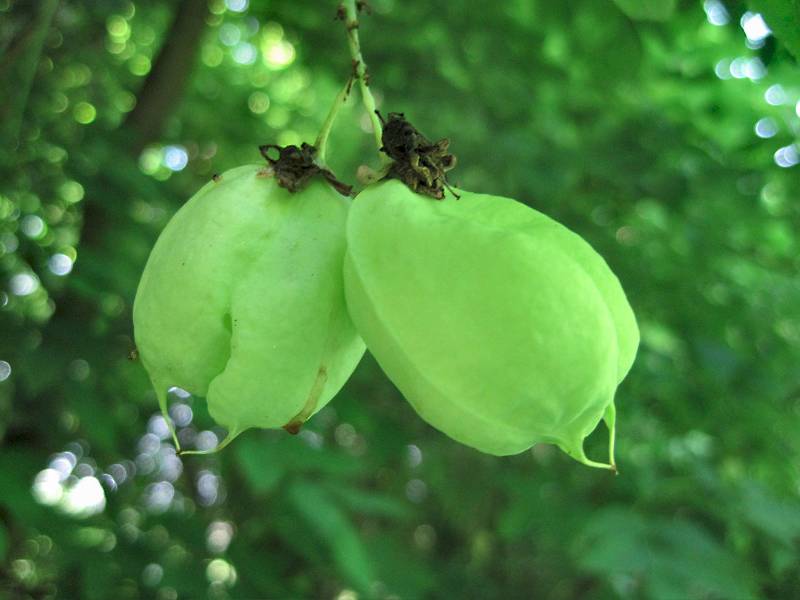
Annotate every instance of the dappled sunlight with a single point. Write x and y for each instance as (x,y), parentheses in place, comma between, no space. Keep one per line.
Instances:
(666,134)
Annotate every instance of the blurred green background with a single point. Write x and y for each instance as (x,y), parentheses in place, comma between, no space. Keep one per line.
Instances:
(664,132)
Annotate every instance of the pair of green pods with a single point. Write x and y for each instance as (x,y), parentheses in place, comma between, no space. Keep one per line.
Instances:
(501,327)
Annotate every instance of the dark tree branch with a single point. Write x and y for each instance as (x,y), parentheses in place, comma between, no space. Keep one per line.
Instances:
(164,86)
(18,67)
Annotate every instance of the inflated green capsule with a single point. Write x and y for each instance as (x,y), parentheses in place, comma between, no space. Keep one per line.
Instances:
(242,301)
(500,326)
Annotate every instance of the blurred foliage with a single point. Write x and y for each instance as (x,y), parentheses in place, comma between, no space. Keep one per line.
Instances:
(784,18)
(657,130)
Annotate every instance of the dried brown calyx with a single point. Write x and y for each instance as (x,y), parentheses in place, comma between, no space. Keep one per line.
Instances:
(294,167)
(419,163)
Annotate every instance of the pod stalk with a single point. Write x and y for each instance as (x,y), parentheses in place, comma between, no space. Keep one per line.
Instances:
(348,12)
(162,404)
(322,139)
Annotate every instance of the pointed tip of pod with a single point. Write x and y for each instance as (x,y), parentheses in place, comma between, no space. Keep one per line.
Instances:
(581,457)
(596,465)
(610,419)
(575,448)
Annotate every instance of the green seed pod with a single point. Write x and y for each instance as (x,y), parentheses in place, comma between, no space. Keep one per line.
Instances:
(500,326)
(242,301)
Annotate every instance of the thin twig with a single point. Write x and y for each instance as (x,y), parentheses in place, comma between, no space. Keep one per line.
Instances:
(350,12)
(322,139)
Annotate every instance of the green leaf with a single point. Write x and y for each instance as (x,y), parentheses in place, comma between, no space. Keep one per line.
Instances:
(261,462)
(265,459)
(675,558)
(334,528)
(372,503)
(776,518)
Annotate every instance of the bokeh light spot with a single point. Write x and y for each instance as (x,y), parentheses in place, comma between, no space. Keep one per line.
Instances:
(175,158)
(258,102)
(278,53)
(60,264)
(245,53)
(221,571)
(212,55)
(118,27)
(787,156)
(754,26)
(71,192)
(5,370)
(23,284)
(150,160)
(229,34)
(33,226)
(766,127)
(716,12)
(152,575)
(775,95)
(139,65)
(84,113)
(218,536)
(237,5)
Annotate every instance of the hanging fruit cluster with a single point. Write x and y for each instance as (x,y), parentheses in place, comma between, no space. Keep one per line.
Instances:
(501,327)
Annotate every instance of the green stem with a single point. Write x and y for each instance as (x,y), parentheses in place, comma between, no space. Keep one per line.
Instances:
(310,405)
(360,69)
(161,394)
(322,139)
